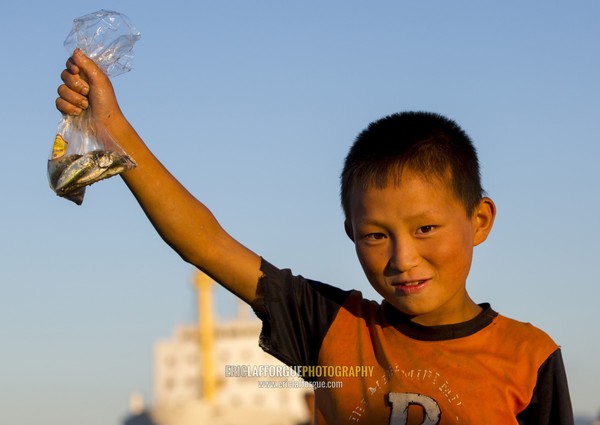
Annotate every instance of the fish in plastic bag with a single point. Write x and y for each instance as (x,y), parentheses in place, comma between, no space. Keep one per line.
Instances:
(80,156)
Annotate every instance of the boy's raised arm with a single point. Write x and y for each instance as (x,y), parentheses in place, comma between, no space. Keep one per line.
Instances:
(180,219)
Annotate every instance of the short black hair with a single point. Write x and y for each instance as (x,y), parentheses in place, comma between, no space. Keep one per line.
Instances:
(425,142)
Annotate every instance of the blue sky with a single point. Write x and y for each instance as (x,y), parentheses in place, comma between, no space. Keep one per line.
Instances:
(253,105)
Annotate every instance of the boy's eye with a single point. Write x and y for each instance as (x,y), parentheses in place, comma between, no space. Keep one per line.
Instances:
(425,229)
(375,236)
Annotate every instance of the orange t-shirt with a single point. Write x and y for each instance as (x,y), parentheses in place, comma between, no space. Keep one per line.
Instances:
(371,365)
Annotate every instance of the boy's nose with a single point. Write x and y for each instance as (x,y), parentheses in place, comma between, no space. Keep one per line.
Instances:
(403,257)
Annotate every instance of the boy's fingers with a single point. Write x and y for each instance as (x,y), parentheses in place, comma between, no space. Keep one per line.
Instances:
(85,67)
(71,67)
(75,82)
(67,108)
(73,97)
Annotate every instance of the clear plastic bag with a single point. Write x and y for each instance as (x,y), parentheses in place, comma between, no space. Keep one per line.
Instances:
(82,153)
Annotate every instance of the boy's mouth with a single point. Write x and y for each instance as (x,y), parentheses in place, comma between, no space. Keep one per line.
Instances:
(410,286)
(413,283)
(410,283)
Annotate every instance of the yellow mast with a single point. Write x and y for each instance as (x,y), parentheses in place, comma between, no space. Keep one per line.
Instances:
(206,335)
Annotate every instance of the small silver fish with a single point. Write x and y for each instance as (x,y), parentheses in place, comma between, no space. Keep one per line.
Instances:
(107,164)
(57,166)
(70,175)
(73,173)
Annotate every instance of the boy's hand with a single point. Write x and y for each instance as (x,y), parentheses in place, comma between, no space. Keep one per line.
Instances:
(86,87)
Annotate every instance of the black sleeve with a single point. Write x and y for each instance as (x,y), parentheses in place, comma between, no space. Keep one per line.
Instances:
(296,314)
(551,403)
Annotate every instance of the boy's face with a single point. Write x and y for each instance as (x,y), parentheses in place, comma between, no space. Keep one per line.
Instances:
(415,243)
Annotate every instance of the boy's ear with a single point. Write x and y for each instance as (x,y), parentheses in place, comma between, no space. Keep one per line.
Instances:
(348,229)
(483,220)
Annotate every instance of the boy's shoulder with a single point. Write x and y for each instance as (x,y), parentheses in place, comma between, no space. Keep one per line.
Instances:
(522,335)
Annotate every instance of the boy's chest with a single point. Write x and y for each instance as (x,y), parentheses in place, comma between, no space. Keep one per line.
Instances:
(419,393)
(417,382)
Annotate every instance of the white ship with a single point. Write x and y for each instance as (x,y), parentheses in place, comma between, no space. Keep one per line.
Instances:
(215,372)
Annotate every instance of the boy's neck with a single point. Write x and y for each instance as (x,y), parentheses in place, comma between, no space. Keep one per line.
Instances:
(466,312)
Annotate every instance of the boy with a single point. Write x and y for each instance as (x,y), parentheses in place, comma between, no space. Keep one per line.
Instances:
(414,209)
